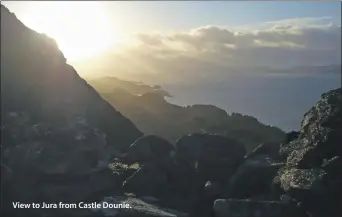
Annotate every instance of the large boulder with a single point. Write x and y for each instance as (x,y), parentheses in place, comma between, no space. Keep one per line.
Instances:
(333,166)
(215,157)
(318,193)
(322,125)
(321,128)
(253,178)
(312,174)
(302,183)
(163,172)
(148,180)
(152,148)
(74,148)
(175,189)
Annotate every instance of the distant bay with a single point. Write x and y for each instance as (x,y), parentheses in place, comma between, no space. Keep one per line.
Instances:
(277,100)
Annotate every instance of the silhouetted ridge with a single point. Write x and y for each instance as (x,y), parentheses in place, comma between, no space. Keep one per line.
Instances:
(37,79)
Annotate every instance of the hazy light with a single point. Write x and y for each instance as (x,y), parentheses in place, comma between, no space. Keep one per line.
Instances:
(81,29)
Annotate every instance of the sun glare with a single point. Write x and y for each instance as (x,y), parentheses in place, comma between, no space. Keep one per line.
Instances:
(81,29)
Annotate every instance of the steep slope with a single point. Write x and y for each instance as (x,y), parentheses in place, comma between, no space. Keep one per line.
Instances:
(146,107)
(35,78)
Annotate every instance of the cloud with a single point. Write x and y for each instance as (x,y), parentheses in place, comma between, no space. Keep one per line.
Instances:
(204,51)
(151,40)
(306,36)
(299,21)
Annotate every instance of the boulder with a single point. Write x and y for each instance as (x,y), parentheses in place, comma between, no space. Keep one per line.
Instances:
(253,178)
(202,205)
(137,207)
(148,180)
(215,157)
(123,171)
(6,174)
(212,189)
(304,158)
(333,166)
(151,148)
(74,149)
(301,181)
(163,172)
(318,193)
(322,124)
(268,149)
(71,189)
(59,163)
(287,148)
(250,208)
(177,188)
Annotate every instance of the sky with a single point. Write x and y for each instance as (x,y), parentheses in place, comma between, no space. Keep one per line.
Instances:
(184,15)
(177,15)
(231,54)
(83,29)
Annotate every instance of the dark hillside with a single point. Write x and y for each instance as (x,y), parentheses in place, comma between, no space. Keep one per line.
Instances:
(35,78)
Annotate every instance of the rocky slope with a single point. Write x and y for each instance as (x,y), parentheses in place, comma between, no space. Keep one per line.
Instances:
(303,178)
(147,107)
(70,152)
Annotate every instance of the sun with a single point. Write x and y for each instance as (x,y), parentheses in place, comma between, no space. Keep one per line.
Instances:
(81,29)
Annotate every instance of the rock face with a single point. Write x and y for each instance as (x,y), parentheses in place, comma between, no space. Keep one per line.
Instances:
(313,174)
(305,177)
